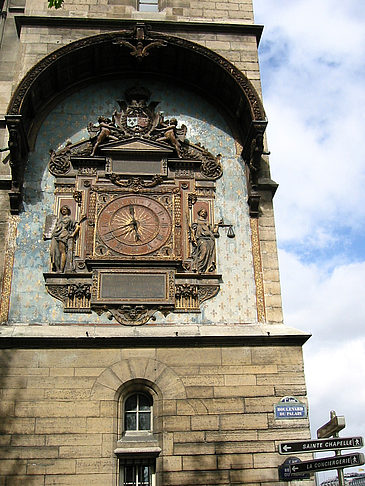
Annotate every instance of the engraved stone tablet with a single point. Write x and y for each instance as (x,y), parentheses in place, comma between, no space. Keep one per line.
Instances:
(149,167)
(128,286)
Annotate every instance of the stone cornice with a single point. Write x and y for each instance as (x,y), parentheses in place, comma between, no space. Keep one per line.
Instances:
(149,336)
(164,26)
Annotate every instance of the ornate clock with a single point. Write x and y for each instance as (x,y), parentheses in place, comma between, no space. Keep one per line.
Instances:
(134,225)
(139,229)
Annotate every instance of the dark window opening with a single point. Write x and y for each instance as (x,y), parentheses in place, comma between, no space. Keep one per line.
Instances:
(137,413)
(137,475)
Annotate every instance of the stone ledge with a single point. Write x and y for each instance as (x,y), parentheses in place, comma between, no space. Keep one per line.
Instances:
(159,26)
(88,336)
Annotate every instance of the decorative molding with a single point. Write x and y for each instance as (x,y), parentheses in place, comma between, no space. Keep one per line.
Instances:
(134,184)
(187,298)
(8,268)
(75,295)
(141,48)
(207,292)
(257,266)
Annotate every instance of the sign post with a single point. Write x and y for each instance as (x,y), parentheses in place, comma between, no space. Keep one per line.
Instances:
(328,440)
(332,428)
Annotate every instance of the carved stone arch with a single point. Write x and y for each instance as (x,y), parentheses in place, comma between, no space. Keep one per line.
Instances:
(110,382)
(116,54)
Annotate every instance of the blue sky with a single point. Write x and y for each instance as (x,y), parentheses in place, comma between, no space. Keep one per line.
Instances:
(312,59)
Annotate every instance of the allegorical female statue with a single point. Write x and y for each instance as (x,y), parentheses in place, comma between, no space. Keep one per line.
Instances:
(63,234)
(203,237)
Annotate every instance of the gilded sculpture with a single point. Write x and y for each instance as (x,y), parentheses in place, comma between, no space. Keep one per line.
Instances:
(64,233)
(203,235)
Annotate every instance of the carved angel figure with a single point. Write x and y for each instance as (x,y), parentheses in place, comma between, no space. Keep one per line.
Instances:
(65,230)
(104,130)
(172,134)
(203,237)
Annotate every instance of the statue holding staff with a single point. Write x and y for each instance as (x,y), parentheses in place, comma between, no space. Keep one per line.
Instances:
(64,232)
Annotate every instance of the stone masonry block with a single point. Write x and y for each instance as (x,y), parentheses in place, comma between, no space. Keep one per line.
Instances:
(17,426)
(201,356)
(254,475)
(9,466)
(205,422)
(55,466)
(176,423)
(236,356)
(60,425)
(244,421)
(60,382)
(196,463)
(195,436)
(80,480)
(74,439)
(172,463)
(205,478)
(100,425)
(282,378)
(205,380)
(189,449)
(63,394)
(233,461)
(243,391)
(199,391)
(57,409)
(240,380)
(79,451)
(262,404)
(21,480)
(95,465)
(280,355)
(110,380)
(28,440)
(231,436)
(28,452)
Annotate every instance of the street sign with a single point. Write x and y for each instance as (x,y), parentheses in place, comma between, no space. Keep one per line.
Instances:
(284,472)
(327,463)
(290,408)
(332,427)
(334,444)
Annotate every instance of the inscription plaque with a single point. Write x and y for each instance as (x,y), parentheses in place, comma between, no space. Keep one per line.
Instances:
(132,287)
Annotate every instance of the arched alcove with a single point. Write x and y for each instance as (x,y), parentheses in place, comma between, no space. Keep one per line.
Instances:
(135,53)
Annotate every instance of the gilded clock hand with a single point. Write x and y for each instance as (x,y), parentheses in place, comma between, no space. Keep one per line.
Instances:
(119,228)
(135,227)
(134,223)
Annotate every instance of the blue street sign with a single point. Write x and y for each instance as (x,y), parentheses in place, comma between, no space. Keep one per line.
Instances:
(284,470)
(290,408)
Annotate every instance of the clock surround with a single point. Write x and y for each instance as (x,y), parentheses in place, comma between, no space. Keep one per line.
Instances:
(135,223)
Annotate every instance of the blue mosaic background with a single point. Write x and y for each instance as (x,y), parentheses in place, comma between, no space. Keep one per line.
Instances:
(235,303)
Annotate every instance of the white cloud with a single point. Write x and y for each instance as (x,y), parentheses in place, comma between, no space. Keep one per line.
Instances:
(313,59)
(313,68)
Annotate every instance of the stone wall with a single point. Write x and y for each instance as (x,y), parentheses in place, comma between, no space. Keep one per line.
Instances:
(177,10)
(215,426)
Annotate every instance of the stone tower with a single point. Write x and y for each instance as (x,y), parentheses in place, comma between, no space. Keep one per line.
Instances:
(142,339)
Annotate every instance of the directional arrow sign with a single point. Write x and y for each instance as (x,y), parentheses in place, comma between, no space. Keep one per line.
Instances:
(321,445)
(284,474)
(327,463)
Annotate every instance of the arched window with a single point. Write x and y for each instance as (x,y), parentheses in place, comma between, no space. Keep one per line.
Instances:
(147,5)
(138,445)
(138,413)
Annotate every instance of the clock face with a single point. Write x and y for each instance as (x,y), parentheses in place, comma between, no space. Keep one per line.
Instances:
(134,225)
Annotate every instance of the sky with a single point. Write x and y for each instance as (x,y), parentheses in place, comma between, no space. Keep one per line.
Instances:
(312,60)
